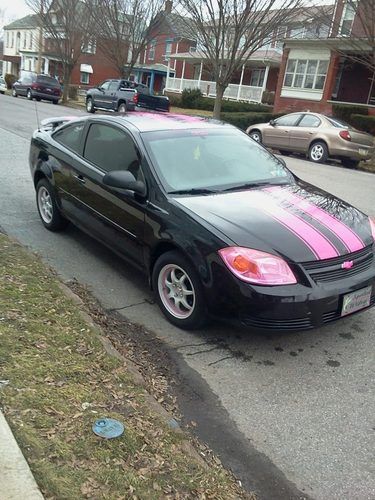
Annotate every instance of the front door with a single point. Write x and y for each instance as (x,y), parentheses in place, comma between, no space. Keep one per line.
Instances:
(101,99)
(278,135)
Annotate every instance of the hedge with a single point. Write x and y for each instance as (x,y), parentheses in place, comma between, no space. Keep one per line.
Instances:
(10,79)
(344,111)
(243,120)
(363,122)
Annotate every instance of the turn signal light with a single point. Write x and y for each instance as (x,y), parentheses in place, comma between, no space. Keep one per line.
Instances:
(345,135)
(372,226)
(254,266)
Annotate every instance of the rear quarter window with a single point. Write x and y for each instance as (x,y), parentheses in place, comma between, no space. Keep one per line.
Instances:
(70,137)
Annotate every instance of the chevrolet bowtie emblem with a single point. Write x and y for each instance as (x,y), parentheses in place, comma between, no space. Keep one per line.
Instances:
(347,265)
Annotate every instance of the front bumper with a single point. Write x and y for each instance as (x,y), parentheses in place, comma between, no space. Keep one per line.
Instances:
(291,307)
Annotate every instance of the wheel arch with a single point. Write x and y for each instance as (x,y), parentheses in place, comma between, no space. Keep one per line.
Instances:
(43,171)
(315,140)
(121,101)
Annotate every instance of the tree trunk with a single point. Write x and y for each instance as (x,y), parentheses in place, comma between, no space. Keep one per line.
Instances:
(67,71)
(220,89)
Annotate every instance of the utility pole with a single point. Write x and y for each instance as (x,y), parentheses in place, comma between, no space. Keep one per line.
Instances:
(40,38)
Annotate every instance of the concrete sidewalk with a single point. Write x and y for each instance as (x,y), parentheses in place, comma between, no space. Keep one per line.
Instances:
(16,479)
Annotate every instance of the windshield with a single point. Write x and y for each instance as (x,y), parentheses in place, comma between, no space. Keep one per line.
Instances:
(212,159)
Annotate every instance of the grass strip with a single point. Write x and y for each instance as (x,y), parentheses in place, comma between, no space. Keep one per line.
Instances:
(61,380)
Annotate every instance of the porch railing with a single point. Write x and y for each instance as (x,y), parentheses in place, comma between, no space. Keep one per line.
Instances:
(233,91)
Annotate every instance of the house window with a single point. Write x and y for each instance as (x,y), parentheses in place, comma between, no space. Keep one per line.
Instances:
(297,32)
(151,50)
(257,77)
(7,43)
(347,19)
(12,39)
(305,74)
(30,40)
(89,46)
(280,34)
(85,78)
(24,39)
(168,49)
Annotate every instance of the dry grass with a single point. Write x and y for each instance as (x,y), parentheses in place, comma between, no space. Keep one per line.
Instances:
(61,380)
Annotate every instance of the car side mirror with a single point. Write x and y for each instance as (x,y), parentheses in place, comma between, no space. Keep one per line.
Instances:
(123,179)
(272,123)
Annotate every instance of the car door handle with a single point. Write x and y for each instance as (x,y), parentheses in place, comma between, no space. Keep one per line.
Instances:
(80,178)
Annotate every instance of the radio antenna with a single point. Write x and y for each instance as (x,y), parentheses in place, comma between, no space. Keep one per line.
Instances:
(37,115)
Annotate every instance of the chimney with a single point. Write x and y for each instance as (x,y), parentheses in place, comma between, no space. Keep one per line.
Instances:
(168,6)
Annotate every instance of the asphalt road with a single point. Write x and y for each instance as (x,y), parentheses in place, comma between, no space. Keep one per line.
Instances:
(295,411)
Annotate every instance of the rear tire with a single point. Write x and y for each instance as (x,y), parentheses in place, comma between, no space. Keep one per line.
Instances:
(55,101)
(318,152)
(29,95)
(90,105)
(14,93)
(38,99)
(350,163)
(256,135)
(178,291)
(122,108)
(47,207)
(284,153)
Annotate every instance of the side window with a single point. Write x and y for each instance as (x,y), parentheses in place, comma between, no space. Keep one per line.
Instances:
(111,149)
(70,136)
(113,86)
(288,120)
(104,85)
(309,121)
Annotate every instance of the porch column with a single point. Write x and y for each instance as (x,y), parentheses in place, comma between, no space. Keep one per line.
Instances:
(168,69)
(200,75)
(46,66)
(182,76)
(152,80)
(240,85)
(329,84)
(264,86)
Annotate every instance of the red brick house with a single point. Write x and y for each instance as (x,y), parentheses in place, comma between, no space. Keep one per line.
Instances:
(315,74)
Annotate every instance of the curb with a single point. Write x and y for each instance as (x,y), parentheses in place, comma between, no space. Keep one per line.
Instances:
(16,479)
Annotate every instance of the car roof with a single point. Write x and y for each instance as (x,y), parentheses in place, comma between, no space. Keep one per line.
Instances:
(150,122)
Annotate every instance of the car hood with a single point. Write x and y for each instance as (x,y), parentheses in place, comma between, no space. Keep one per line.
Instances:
(299,222)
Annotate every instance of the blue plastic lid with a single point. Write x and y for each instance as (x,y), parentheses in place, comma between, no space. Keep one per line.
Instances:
(108,428)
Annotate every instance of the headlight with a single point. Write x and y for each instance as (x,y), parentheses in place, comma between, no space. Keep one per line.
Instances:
(372,226)
(254,266)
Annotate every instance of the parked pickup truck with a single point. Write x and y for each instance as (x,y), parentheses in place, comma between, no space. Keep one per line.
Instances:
(122,96)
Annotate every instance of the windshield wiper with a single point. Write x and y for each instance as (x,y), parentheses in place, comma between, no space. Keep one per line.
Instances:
(248,185)
(193,191)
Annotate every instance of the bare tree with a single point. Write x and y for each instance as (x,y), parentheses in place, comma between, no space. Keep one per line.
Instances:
(355,35)
(65,24)
(228,32)
(123,29)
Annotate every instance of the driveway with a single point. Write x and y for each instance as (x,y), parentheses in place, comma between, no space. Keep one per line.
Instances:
(292,414)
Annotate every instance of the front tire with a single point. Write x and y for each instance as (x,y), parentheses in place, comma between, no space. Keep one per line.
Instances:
(318,152)
(29,95)
(90,105)
(47,207)
(179,291)
(14,93)
(256,135)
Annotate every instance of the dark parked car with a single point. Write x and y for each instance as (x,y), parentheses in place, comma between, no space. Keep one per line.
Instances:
(219,225)
(32,85)
(122,96)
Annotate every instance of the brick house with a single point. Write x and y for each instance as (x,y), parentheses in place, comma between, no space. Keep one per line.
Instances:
(167,36)
(21,53)
(315,74)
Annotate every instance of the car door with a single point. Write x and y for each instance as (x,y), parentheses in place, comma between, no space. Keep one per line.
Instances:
(24,84)
(278,134)
(111,94)
(100,97)
(300,136)
(113,216)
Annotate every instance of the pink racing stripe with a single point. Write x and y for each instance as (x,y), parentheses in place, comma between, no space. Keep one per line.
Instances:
(350,240)
(316,241)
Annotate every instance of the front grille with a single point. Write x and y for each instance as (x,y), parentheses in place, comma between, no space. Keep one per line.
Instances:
(325,271)
(278,324)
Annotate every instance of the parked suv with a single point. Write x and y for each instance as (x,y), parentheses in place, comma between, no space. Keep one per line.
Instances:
(38,87)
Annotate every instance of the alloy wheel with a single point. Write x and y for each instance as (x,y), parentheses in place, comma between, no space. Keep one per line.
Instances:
(176,291)
(317,152)
(45,205)
(122,108)
(256,136)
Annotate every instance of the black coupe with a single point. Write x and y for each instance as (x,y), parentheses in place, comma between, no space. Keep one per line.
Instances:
(220,225)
